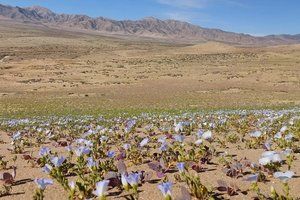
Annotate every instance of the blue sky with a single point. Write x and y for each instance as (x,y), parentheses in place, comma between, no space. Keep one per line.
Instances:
(256,17)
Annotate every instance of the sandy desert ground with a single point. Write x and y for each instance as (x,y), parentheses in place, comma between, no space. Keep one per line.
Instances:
(47,70)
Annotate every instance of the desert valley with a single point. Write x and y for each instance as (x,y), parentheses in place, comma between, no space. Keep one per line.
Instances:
(86,100)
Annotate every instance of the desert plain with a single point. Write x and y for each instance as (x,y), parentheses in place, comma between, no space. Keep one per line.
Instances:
(48,72)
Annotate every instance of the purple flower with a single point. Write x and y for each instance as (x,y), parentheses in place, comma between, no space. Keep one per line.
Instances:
(42,183)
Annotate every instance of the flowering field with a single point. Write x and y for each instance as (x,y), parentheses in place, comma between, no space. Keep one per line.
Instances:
(212,155)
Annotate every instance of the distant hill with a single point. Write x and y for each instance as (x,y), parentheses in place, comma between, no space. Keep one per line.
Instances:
(148,27)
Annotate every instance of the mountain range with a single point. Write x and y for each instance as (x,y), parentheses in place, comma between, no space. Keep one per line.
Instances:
(146,28)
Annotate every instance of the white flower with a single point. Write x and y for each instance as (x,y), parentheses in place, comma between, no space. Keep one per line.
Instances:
(200,141)
(72,185)
(289,137)
(268,157)
(207,135)
(287,152)
(278,135)
(144,142)
(179,127)
(101,188)
(255,134)
(284,128)
(264,161)
(124,181)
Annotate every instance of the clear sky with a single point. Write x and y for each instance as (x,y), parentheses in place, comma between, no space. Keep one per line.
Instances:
(256,17)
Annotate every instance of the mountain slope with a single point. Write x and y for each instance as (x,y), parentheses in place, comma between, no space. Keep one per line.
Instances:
(147,27)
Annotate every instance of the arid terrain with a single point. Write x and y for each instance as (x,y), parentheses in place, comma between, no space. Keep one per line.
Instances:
(79,104)
(49,70)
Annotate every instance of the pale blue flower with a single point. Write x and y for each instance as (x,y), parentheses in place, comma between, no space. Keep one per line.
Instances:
(199,133)
(47,169)
(91,163)
(162,139)
(180,166)
(179,138)
(129,125)
(16,136)
(57,161)
(69,148)
(133,179)
(164,147)
(165,188)
(284,176)
(44,151)
(82,150)
(42,183)
(110,154)
(252,178)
